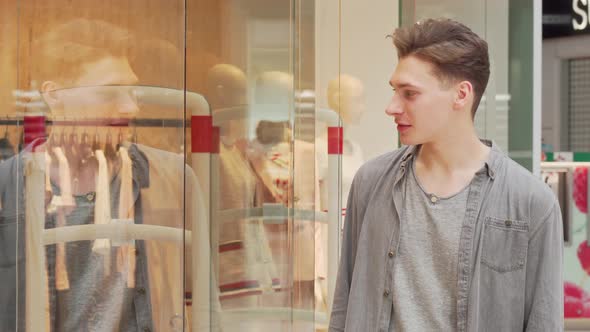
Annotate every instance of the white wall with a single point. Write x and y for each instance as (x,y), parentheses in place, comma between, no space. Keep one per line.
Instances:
(356,45)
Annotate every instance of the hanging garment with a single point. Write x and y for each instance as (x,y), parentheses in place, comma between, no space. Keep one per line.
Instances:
(102,208)
(64,204)
(94,302)
(171,183)
(71,151)
(274,165)
(126,252)
(245,264)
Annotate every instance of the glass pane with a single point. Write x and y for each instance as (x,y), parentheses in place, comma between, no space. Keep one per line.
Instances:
(350,97)
(242,55)
(327,237)
(11,272)
(97,211)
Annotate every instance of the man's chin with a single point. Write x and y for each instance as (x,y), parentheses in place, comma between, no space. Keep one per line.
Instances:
(407,140)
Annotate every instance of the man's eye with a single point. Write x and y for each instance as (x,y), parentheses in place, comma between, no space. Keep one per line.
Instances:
(409,94)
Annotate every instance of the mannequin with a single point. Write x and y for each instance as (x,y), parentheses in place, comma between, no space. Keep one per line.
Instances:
(109,286)
(274,155)
(345,96)
(247,272)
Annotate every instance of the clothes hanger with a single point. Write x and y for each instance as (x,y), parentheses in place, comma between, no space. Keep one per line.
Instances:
(85,147)
(119,139)
(109,150)
(96,139)
(71,151)
(134,135)
(74,138)
(62,137)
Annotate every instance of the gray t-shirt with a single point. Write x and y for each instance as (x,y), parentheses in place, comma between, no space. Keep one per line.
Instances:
(425,269)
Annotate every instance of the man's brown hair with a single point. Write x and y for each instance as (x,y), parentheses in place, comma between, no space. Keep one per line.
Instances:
(62,51)
(455,51)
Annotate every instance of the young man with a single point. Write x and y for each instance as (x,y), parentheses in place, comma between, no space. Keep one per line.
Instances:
(447,233)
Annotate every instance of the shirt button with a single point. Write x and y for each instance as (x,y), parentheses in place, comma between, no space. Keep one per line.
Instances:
(433,199)
(386,293)
(90,197)
(390,254)
(508,223)
(141,291)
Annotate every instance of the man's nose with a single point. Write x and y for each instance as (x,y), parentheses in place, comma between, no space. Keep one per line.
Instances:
(394,107)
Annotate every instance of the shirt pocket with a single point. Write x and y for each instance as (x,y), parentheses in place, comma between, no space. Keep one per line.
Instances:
(505,244)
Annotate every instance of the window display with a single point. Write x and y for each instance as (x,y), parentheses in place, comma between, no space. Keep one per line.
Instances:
(102,273)
(153,171)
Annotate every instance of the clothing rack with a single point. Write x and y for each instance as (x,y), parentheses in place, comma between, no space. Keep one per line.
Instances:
(36,236)
(204,137)
(165,123)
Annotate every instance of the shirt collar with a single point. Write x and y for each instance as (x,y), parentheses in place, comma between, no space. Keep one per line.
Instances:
(491,164)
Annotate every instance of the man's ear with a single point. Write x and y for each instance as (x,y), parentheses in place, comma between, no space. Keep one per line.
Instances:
(463,95)
(50,94)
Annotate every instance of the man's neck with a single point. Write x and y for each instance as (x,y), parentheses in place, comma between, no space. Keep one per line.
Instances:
(458,152)
(447,166)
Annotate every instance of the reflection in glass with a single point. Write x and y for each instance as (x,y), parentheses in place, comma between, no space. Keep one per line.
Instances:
(127,237)
(346,97)
(113,221)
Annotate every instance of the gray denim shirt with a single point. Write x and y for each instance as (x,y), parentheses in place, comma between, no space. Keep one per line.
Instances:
(510,249)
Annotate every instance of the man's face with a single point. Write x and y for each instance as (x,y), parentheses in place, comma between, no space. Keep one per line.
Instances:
(421,106)
(103,91)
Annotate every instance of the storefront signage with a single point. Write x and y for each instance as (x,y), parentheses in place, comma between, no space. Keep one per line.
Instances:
(581,14)
(563,18)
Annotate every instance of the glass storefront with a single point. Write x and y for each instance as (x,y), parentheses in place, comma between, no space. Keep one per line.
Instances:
(184,165)
(181,165)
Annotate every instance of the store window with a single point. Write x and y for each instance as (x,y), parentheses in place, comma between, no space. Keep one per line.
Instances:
(159,165)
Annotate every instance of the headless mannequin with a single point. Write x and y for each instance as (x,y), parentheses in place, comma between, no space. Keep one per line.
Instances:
(272,156)
(244,254)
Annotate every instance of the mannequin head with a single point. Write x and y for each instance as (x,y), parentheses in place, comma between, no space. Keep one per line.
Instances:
(274,87)
(346,95)
(226,86)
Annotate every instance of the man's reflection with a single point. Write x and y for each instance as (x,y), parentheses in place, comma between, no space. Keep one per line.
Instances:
(99,177)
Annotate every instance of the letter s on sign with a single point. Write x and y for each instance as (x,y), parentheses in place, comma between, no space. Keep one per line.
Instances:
(583,14)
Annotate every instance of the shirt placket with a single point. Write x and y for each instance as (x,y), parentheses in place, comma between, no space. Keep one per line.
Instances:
(465,248)
(392,250)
